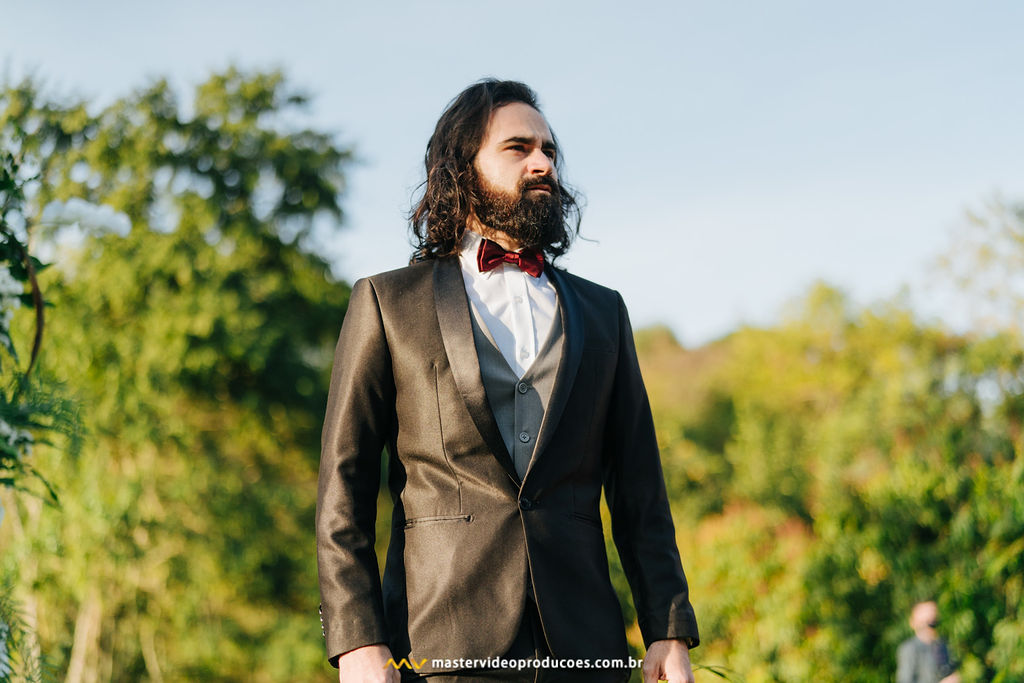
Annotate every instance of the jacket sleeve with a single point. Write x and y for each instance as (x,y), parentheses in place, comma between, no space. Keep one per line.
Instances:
(642,525)
(359,418)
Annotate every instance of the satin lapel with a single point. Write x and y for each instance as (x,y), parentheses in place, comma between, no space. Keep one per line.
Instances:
(568,363)
(452,306)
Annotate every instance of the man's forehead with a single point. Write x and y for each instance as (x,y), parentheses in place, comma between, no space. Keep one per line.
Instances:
(517,120)
(924,610)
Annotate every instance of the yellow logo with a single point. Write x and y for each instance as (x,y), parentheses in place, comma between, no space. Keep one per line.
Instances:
(406,663)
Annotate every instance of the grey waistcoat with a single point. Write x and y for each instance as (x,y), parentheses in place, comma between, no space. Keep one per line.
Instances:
(518,404)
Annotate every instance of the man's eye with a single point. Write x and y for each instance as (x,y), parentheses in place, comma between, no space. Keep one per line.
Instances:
(550,154)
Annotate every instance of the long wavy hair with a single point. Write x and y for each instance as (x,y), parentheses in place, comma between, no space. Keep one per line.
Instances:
(449,191)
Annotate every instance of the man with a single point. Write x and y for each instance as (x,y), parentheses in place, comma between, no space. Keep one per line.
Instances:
(924,657)
(507,394)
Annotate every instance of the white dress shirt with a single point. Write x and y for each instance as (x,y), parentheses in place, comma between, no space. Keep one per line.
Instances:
(517,309)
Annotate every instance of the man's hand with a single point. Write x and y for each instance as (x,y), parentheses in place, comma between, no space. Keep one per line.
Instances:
(668,660)
(367,664)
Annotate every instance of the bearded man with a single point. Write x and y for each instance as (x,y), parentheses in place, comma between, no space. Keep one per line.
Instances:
(507,394)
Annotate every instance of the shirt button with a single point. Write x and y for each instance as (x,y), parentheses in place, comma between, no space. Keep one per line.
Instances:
(522,387)
(524,437)
(524,354)
(518,299)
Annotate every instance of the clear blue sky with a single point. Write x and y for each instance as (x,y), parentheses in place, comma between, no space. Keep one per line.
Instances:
(731,152)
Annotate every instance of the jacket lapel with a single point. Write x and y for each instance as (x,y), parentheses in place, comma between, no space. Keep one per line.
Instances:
(452,306)
(568,363)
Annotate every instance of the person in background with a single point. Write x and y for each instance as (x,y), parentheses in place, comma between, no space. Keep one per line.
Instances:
(924,657)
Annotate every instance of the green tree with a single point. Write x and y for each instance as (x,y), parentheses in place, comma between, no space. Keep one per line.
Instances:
(32,409)
(199,346)
(979,275)
(868,461)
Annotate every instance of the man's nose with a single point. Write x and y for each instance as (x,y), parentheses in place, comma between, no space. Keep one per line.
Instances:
(539,163)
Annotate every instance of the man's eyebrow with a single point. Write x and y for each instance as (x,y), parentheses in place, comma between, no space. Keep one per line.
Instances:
(527,140)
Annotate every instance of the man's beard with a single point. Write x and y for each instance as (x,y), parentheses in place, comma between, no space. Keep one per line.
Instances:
(531,219)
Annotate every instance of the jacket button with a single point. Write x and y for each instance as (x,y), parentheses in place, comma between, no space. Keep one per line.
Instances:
(522,387)
(524,437)
(525,504)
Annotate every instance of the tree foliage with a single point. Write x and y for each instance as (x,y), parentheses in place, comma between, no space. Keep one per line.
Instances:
(33,409)
(199,346)
(871,462)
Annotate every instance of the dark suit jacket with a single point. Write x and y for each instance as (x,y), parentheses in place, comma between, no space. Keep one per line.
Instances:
(467,535)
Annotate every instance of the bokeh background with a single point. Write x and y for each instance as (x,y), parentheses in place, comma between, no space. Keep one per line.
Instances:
(813,211)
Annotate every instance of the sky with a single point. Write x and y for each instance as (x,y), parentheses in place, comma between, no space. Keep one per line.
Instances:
(731,153)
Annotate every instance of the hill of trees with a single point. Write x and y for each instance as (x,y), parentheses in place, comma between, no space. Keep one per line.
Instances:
(829,472)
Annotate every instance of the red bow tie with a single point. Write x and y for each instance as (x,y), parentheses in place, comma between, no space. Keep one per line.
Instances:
(490,255)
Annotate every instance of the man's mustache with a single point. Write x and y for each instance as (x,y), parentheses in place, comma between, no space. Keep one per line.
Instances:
(546,181)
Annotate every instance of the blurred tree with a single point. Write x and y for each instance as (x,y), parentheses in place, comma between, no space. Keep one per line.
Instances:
(33,409)
(981,274)
(693,417)
(870,461)
(199,345)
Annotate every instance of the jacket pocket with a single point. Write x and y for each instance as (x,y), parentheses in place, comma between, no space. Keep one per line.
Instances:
(419,521)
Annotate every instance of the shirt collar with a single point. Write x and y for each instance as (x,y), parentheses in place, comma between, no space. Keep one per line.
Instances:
(470,243)
(467,254)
